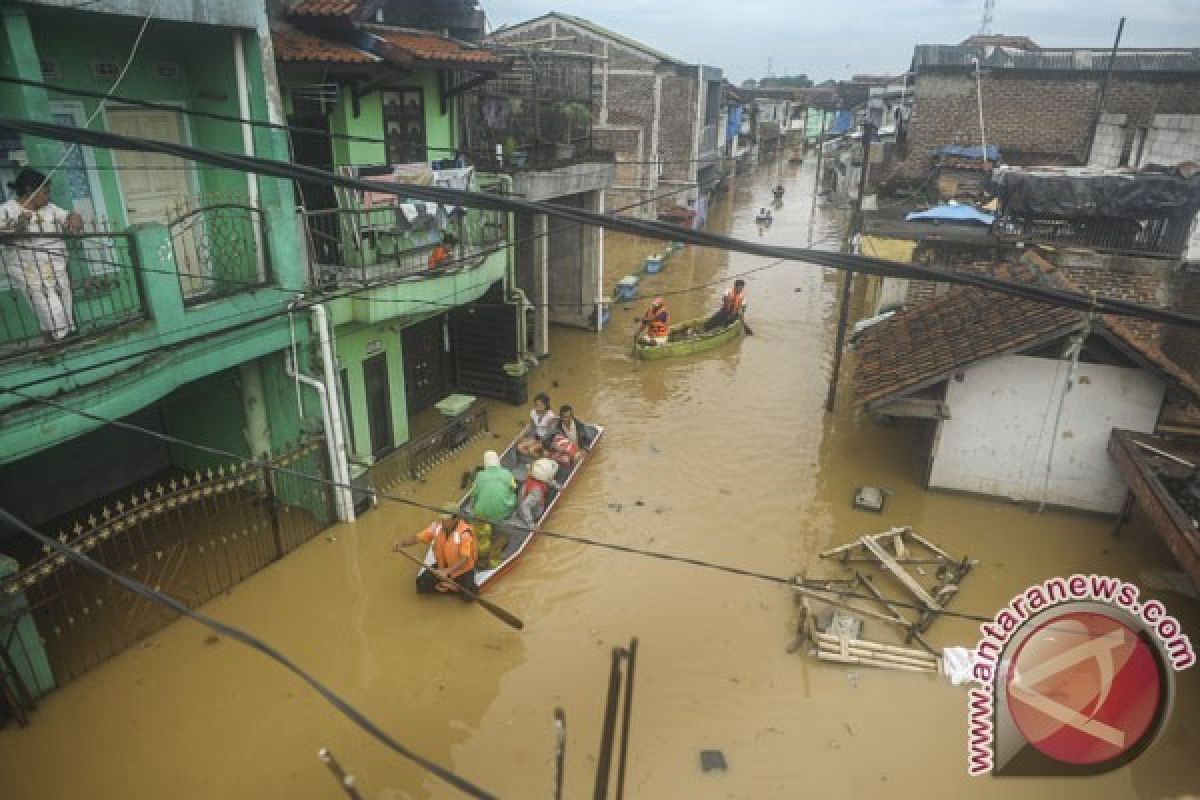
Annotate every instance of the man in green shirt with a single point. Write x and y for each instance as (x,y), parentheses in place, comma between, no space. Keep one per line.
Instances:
(494,494)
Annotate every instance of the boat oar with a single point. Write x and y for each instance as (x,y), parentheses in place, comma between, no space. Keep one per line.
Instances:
(507,617)
(746,325)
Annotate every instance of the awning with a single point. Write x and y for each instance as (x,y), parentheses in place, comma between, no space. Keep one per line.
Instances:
(951,213)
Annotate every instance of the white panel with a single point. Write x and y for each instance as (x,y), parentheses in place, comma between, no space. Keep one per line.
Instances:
(1002,420)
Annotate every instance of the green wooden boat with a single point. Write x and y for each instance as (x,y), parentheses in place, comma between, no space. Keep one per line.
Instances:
(687,338)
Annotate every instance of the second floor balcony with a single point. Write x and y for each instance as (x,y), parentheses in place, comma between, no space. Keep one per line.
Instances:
(63,286)
(377,244)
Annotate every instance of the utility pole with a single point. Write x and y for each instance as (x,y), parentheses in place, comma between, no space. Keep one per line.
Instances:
(856,225)
(1112,59)
(812,216)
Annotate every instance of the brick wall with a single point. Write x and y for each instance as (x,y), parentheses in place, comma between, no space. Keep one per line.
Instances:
(678,127)
(1182,345)
(1034,116)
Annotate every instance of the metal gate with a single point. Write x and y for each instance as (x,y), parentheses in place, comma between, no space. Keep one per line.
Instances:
(192,537)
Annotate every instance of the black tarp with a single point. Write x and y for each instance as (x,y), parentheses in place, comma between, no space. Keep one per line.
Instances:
(1143,196)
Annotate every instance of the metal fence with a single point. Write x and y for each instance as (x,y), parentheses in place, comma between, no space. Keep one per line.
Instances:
(413,460)
(193,537)
(1162,236)
(57,286)
(220,247)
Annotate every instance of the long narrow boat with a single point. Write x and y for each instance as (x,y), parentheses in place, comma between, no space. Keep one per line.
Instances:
(690,337)
(519,538)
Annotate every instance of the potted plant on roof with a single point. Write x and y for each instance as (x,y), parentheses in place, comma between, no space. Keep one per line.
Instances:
(573,115)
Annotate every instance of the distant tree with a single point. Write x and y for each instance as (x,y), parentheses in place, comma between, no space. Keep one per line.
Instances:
(749,83)
(787,82)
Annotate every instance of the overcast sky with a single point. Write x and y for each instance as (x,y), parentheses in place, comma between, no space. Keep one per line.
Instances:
(834,40)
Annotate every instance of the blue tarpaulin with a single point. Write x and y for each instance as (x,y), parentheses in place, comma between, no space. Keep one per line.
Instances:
(951,214)
(733,125)
(962,151)
(842,122)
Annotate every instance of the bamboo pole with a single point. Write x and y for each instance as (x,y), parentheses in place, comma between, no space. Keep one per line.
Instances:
(864,662)
(866,644)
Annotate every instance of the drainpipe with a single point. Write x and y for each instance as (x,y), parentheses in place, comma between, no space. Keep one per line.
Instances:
(327,389)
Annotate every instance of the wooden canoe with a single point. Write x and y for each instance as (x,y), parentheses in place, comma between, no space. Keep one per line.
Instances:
(519,538)
(682,344)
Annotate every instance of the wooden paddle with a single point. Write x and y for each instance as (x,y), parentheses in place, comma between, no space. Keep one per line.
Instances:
(745,325)
(507,617)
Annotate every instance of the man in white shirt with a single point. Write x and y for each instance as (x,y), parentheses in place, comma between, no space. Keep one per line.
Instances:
(37,264)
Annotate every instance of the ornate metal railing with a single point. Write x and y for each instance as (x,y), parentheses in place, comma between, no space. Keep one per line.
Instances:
(414,459)
(192,536)
(56,286)
(1161,236)
(220,247)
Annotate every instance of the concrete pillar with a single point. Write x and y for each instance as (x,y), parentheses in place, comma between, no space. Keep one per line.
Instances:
(541,285)
(254,409)
(599,276)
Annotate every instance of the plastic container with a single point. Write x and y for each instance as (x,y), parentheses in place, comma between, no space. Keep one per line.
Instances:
(455,404)
(653,264)
(627,287)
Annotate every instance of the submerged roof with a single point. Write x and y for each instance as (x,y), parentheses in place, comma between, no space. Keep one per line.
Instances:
(1089,59)
(927,342)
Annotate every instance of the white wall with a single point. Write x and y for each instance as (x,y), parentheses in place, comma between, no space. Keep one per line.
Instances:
(1002,416)
(1108,142)
(1175,138)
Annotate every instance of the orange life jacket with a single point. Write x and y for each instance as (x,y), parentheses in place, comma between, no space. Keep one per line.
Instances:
(448,548)
(438,256)
(732,304)
(656,322)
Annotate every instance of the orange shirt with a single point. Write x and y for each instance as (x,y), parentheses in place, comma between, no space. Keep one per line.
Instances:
(732,304)
(449,548)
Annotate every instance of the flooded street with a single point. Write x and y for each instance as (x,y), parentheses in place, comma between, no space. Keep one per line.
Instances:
(727,457)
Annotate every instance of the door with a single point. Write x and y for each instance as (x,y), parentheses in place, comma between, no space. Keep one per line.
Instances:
(379,404)
(156,188)
(426,374)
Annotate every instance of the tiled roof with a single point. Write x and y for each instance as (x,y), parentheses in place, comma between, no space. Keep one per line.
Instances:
(923,344)
(1142,336)
(436,49)
(326,8)
(930,340)
(296,46)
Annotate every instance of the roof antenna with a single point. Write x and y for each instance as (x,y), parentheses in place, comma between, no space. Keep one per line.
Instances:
(989,11)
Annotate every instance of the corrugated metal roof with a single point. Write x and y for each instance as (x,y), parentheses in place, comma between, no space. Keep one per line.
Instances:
(949,56)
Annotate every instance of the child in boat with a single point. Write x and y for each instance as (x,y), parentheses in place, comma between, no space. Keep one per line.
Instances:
(564,451)
(544,419)
(535,491)
(732,305)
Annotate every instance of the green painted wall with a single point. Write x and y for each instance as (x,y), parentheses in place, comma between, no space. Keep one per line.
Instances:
(206,80)
(208,410)
(352,344)
(441,130)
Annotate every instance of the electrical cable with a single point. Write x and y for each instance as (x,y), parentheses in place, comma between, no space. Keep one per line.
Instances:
(293,129)
(253,642)
(655,230)
(695,562)
(349,292)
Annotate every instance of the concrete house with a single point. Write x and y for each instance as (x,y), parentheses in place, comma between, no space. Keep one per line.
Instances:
(1018,399)
(176,293)
(1023,83)
(657,113)
(407,334)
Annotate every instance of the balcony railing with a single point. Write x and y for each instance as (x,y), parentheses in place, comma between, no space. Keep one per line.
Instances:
(57,287)
(1162,236)
(220,247)
(366,246)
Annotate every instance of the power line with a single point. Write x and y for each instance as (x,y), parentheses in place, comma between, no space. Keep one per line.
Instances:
(292,129)
(349,292)
(171,439)
(655,230)
(253,642)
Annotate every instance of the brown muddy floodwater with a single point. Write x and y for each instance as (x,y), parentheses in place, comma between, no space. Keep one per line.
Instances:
(727,457)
